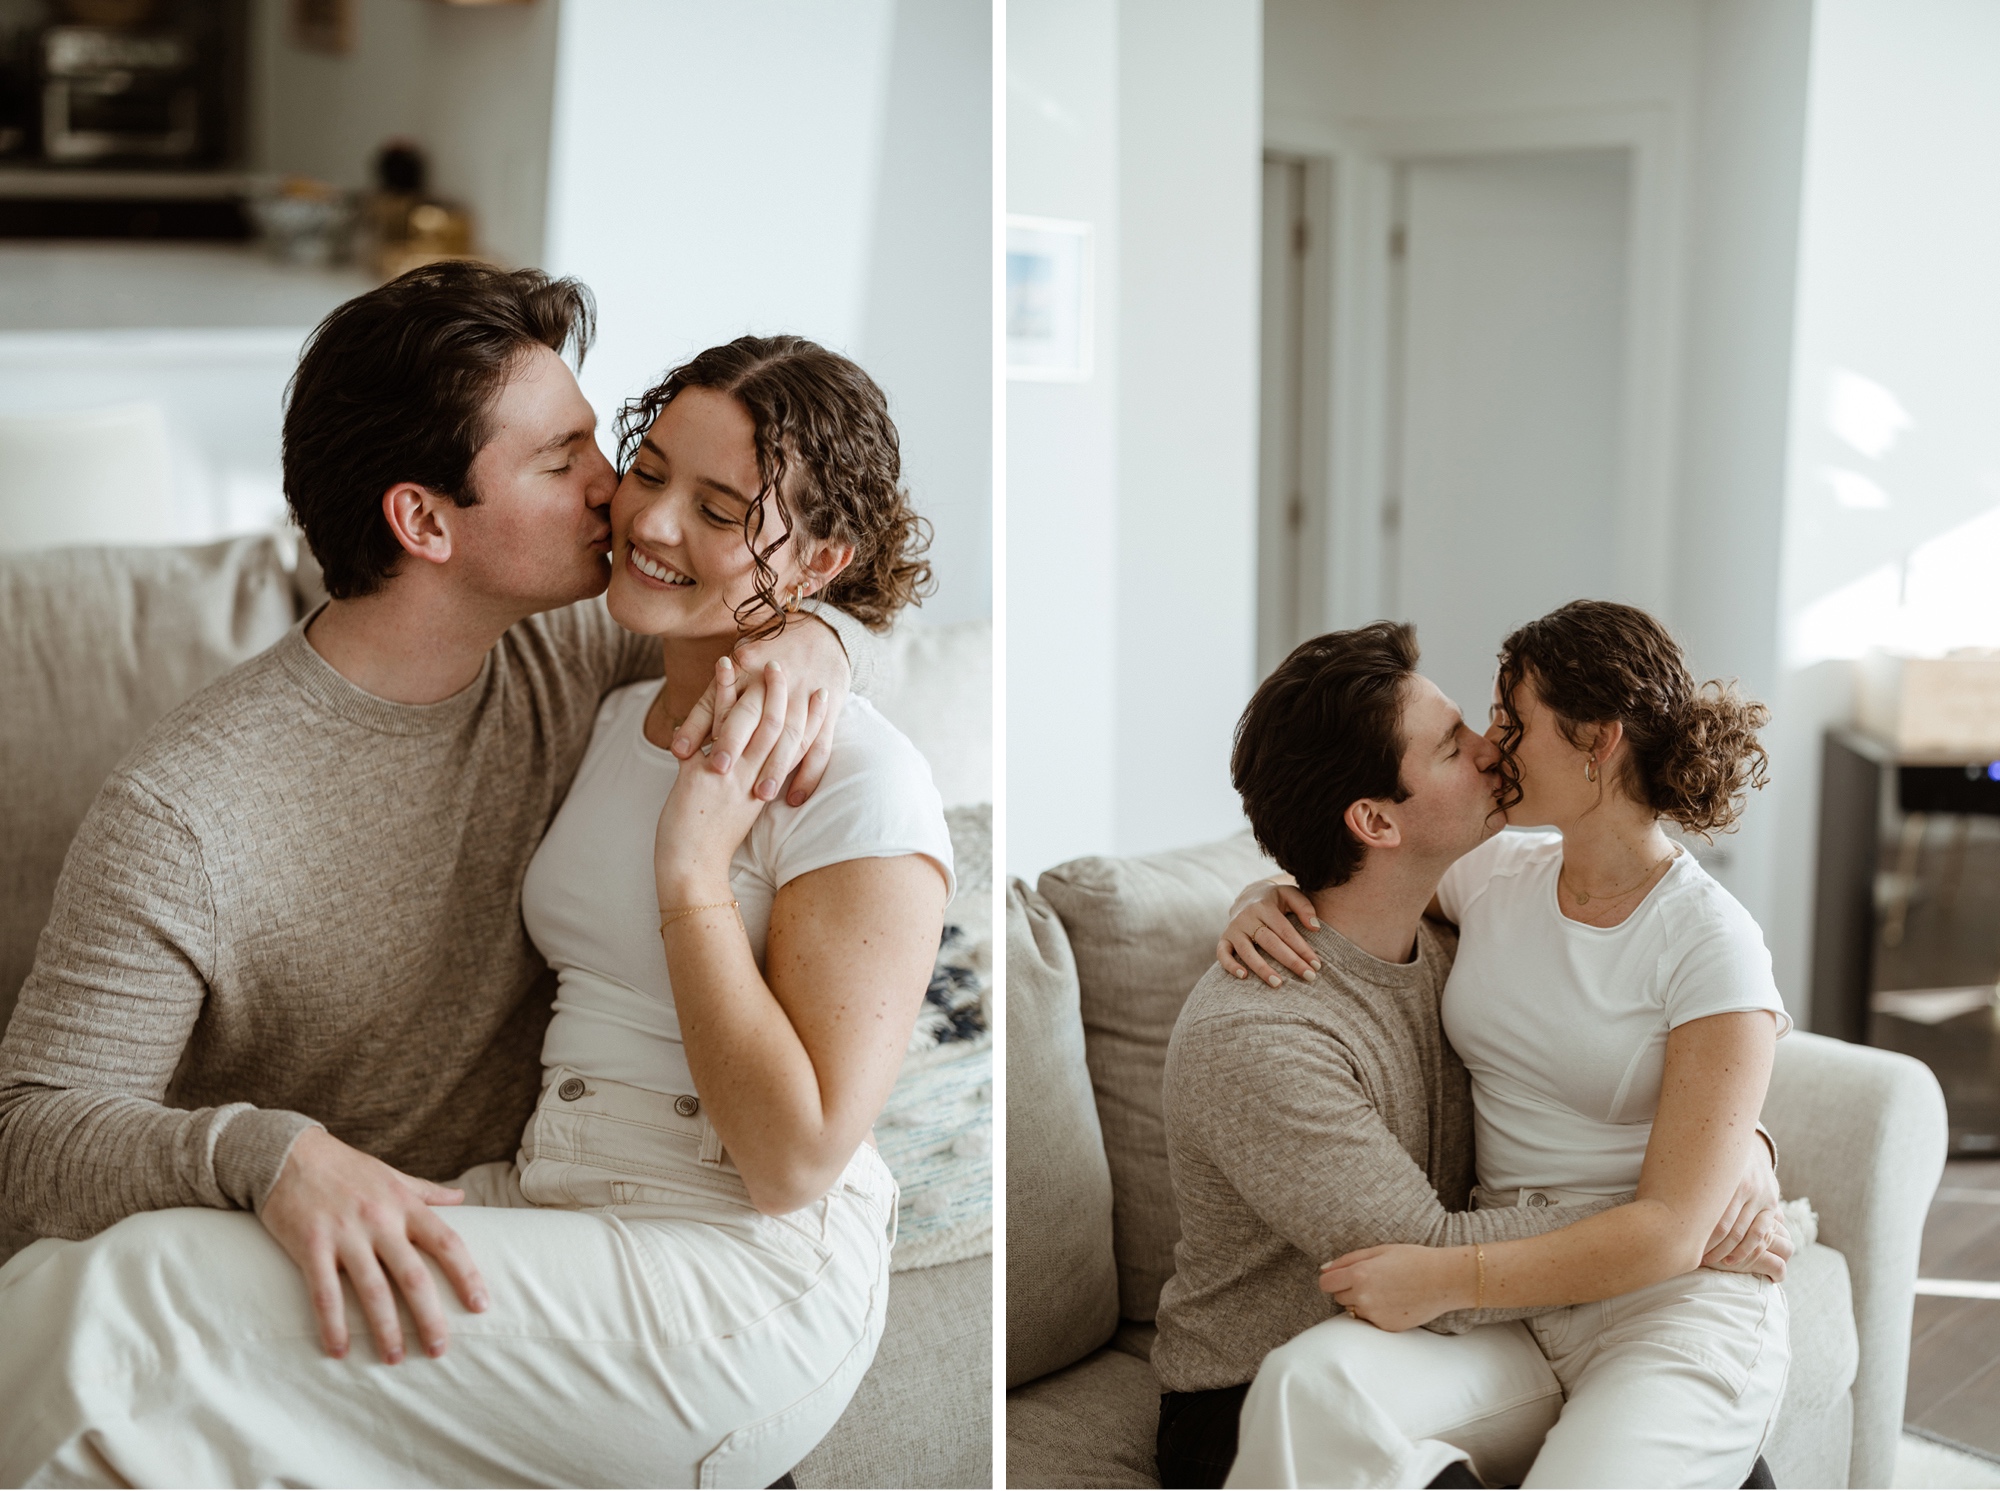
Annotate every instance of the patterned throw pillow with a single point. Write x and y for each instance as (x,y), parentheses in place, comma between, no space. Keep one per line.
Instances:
(936,1131)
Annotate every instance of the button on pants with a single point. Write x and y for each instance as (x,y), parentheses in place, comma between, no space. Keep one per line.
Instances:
(649,1328)
(1672,1385)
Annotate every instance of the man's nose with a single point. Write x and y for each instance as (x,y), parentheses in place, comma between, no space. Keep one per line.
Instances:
(603,481)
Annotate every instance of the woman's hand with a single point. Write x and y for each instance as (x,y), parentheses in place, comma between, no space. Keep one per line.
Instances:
(1764,1249)
(1731,1244)
(1399,1285)
(1260,925)
(817,662)
(708,812)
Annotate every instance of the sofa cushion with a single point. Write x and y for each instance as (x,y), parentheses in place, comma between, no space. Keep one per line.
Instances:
(923,1415)
(936,686)
(100,644)
(1062,1296)
(1091,1425)
(1143,929)
(1810,1441)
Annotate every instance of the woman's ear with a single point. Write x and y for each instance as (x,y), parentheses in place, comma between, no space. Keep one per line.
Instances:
(824,565)
(1609,738)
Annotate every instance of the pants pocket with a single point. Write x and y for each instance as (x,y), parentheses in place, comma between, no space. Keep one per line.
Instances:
(759,1453)
(1721,1323)
(1554,1330)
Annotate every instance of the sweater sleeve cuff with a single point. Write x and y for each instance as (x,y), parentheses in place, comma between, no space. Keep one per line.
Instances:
(864,650)
(252,1149)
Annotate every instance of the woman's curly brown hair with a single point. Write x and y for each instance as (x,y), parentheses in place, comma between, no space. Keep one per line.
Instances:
(1694,751)
(828,459)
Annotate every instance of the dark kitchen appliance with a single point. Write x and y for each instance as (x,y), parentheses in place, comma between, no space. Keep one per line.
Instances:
(122,118)
(122,84)
(119,95)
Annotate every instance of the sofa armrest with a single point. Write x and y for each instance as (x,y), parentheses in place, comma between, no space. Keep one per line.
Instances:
(1862,1133)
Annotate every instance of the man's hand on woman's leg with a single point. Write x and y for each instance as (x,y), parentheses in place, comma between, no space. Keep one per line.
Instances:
(335,1210)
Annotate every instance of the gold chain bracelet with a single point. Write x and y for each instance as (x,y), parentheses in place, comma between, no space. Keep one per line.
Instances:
(1479,1296)
(676,915)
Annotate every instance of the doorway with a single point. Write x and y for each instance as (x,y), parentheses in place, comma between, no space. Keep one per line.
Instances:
(1292,399)
(1506,389)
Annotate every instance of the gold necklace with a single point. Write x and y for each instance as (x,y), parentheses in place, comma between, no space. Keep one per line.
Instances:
(658,708)
(1583,896)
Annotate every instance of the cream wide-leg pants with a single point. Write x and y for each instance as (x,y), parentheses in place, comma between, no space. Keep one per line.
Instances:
(1674,1385)
(648,1327)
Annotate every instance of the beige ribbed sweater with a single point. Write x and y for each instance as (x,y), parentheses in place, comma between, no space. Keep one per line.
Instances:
(1304,1122)
(296,902)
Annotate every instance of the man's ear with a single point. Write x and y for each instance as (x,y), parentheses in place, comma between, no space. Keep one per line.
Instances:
(414,517)
(1367,821)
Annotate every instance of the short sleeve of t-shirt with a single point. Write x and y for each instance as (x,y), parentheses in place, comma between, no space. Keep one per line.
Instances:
(876,801)
(1722,967)
(1472,871)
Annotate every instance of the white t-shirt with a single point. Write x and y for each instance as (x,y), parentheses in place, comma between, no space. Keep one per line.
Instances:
(589,898)
(1564,1026)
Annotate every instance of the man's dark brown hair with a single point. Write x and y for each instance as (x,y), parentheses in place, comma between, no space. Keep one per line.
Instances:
(398,385)
(1322,732)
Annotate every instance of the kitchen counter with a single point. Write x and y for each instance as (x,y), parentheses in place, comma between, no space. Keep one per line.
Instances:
(62,286)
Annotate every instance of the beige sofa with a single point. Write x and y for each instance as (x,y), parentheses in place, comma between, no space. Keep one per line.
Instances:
(97,644)
(1100,955)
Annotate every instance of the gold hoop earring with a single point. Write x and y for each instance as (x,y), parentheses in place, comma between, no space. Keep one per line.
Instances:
(1590,770)
(798,595)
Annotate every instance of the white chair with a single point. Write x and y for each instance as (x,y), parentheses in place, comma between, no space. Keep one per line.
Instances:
(98,476)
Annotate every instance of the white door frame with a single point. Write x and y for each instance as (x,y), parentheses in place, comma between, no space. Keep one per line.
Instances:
(1364,156)
(1315,398)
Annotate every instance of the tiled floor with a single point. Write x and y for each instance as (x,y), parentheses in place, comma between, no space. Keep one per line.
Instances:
(1955,1345)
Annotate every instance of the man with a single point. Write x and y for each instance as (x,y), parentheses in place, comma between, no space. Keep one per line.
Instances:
(1314,1115)
(285,970)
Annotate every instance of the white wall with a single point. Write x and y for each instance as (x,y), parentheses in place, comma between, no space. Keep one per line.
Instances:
(1190,175)
(1899,237)
(1062,454)
(780,165)
(1132,497)
(927,311)
(1402,59)
(1746,168)
(473,85)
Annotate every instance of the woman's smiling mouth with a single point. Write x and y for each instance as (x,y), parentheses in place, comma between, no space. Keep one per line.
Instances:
(655,570)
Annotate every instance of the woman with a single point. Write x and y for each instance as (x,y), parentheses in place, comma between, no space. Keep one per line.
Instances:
(1615,1009)
(739,977)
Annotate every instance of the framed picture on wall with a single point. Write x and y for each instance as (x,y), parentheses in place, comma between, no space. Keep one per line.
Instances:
(1048,299)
